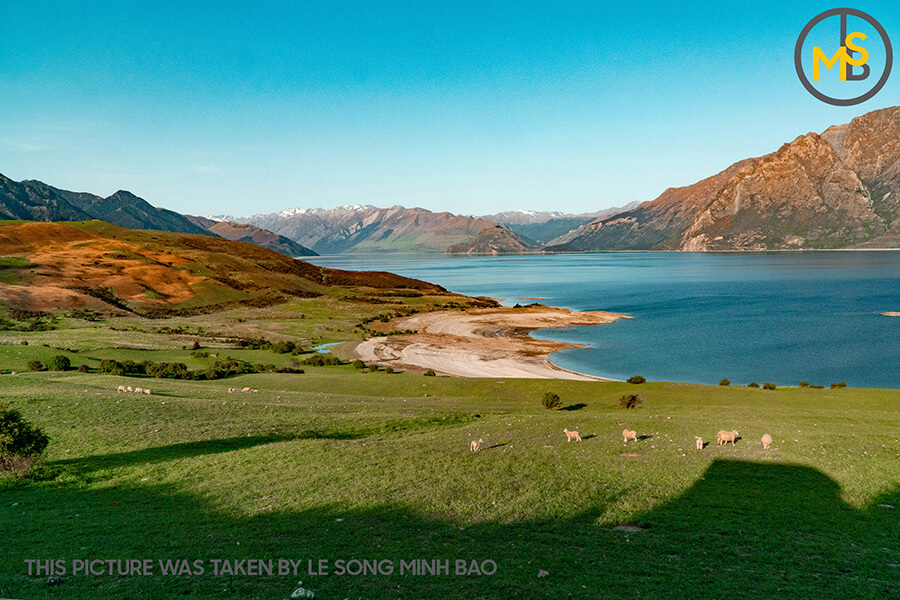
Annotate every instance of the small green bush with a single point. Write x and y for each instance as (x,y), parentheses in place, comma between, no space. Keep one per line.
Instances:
(388,370)
(196,345)
(200,354)
(804,384)
(35,365)
(835,386)
(358,364)
(59,363)
(83,369)
(551,401)
(19,439)
(630,400)
(769,386)
(753,384)
(725,382)
(430,373)
(636,379)
(817,387)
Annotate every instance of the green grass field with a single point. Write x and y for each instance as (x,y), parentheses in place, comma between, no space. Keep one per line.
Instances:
(339,464)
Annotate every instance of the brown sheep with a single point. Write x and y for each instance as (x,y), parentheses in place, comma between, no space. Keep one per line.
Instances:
(726,436)
(476,446)
(628,433)
(572,435)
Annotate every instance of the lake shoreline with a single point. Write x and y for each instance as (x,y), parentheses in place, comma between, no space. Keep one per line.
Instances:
(493,342)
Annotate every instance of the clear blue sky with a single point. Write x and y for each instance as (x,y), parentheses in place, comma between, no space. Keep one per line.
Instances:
(471,107)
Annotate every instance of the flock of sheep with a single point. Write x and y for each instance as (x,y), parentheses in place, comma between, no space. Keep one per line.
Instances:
(722,438)
(129,389)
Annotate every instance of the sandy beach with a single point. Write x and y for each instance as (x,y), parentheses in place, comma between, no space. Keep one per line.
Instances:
(491,342)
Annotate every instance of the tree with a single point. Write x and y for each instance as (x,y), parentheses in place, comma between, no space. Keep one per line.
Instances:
(551,401)
(636,379)
(725,382)
(19,439)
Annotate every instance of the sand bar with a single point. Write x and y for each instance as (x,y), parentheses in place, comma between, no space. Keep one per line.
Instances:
(491,342)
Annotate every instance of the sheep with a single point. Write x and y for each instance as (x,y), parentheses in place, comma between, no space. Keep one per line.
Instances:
(147,391)
(726,436)
(628,433)
(138,390)
(13,373)
(572,435)
(128,389)
(699,442)
(232,390)
(766,441)
(121,388)
(476,446)
(246,389)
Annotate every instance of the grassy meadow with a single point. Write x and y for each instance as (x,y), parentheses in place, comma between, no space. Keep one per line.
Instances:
(340,463)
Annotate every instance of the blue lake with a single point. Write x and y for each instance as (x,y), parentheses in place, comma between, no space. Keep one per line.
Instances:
(779,317)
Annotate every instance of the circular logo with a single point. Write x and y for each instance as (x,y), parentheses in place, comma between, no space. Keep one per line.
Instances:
(845,56)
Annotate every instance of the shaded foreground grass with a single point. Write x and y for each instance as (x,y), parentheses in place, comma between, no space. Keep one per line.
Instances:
(339,464)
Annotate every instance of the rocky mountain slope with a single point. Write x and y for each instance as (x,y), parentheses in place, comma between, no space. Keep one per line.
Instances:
(834,190)
(28,201)
(349,229)
(124,209)
(243,232)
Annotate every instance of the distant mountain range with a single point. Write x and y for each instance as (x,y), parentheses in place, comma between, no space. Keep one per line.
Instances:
(837,189)
(357,229)
(553,227)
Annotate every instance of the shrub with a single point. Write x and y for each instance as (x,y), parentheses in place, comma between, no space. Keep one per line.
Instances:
(725,382)
(551,401)
(817,387)
(59,363)
(835,386)
(19,439)
(83,369)
(358,364)
(430,373)
(753,384)
(284,347)
(200,354)
(636,379)
(630,400)
(322,360)
(769,386)
(804,384)
(196,345)
(35,365)
(388,370)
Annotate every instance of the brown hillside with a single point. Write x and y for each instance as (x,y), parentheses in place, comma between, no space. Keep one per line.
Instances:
(98,265)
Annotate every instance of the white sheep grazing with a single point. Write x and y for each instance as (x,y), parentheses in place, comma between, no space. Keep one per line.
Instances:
(766,441)
(232,390)
(724,437)
(128,389)
(628,433)
(121,388)
(476,446)
(138,390)
(13,373)
(147,391)
(699,442)
(572,435)
(245,389)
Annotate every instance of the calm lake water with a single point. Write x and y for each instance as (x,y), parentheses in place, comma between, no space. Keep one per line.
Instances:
(779,317)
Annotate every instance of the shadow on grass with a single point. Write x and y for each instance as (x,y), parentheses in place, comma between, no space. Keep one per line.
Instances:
(746,530)
(578,406)
(587,437)
(159,454)
(644,437)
